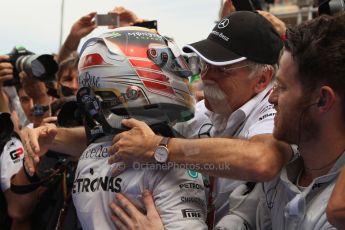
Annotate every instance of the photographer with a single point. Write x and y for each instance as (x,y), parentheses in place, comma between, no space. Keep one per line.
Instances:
(21,206)
(67,85)
(34,99)
(79,29)
(6,71)
(29,201)
(18,207)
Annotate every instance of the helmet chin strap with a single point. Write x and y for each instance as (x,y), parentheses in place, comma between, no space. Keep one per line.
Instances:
(102,128)
(96,120)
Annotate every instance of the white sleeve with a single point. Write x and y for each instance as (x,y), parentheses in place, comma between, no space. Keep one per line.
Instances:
(243,205)
(10,161)
(263,218)
(180,199)
(264,123)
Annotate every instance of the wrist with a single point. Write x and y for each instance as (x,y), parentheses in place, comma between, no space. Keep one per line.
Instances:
(70,43)
(161,151)
(32,179)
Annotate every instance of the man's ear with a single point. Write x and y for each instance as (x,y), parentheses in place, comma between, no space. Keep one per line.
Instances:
(326,98)
(264,79)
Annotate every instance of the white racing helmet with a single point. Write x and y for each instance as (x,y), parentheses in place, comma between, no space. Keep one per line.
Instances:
(133,72)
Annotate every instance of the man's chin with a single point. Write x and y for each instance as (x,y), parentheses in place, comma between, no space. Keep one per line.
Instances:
(217,107)
(283,136)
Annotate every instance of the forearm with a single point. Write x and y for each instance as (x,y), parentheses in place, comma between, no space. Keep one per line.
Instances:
(20,206)
(69,46)
(259,159)
(71,141)
(336,204)
(4,102)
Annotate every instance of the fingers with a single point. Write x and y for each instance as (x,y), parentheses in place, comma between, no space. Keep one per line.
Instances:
(113,149)
(149,204)
(92,14)
(126,216)
(30,141)
(46,134)
(87,18)
(118,9)
(117,170)
(114,158)
(49,120)
(5,78)
(127,206)
(278,24)
(6,70)
(30,157)
(123,213)
(30,138)
(118,223)
(4,57)
(29,164)
(23,76)
(131,123)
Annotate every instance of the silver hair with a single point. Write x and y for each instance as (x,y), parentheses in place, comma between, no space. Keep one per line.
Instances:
(256,67)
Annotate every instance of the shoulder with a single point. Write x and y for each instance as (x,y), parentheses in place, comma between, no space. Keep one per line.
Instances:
(261,120)
(13,151)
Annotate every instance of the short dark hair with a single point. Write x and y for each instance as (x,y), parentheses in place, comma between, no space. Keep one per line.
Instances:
(68,63)
(318,48)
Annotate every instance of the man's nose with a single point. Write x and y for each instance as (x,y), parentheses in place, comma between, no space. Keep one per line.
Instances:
(273,97)
(75,84)
(31,104)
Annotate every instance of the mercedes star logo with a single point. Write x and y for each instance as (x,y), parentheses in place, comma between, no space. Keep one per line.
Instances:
(224,23)
(205,130)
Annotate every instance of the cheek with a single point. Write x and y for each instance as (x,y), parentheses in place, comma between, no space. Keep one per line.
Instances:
(286,101)
(67,84)
(227,88)
(238,92)
(26,105)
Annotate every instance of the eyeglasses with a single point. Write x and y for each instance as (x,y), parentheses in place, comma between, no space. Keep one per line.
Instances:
(226,69)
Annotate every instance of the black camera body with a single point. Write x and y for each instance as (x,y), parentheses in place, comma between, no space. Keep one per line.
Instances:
(6,129)
(41,66)
(330,7)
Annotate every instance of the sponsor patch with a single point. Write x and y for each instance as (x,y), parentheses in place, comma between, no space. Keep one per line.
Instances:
(193,174)
(112,184)
(15,154)
(191,213)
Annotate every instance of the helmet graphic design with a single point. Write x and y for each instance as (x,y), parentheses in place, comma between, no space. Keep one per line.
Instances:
(133,72)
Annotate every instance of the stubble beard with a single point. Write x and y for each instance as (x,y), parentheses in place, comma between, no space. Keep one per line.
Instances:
(297,127)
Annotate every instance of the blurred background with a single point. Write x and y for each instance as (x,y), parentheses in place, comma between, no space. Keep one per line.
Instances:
(42,25)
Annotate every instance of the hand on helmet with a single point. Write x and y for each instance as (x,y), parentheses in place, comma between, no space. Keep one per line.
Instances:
(135,145)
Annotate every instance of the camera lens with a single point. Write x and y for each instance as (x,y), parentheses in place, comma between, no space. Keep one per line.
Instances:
(43,67)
